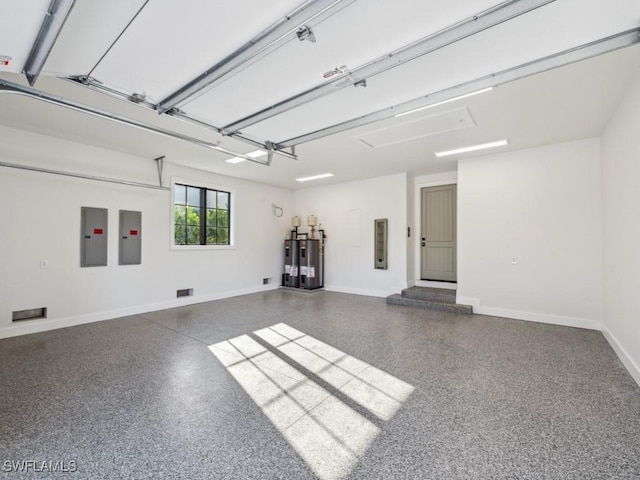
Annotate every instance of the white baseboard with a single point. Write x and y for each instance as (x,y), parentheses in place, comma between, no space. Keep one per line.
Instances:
(529,316)
(36,326)
(474,302)
(631,366)
(540,317)
(359,291)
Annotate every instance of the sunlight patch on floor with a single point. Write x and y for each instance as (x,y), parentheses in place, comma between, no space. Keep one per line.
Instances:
(316,395)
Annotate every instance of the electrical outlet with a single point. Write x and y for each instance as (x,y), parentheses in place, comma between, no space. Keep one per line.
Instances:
(44,263)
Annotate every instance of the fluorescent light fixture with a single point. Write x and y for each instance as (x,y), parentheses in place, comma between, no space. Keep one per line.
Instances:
(472,148)
(256,154)
(315,177)
(460,97)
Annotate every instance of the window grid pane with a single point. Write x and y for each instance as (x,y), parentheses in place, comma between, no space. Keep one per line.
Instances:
(180,194)
(193,196)
(223,200)
(201,216)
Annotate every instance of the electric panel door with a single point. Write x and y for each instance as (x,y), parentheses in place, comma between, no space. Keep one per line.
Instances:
(93,244)
(130,242)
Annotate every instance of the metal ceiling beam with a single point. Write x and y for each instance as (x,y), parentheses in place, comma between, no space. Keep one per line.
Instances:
(475,24)
(583,52)
(54,20)
(96,85)
(287,25)
(10,87)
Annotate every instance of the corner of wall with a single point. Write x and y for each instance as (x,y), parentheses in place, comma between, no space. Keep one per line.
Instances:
(632,367)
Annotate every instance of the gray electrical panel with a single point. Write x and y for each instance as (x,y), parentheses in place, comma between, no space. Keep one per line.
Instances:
(93,244)
(291,263)
(380,243)
(311,274)
(130,242)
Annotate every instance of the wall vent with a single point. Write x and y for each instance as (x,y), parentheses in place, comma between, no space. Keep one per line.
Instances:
(30,314)
(266,281)
(185,292)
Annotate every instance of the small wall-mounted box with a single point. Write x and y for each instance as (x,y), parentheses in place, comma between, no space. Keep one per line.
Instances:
(380,243)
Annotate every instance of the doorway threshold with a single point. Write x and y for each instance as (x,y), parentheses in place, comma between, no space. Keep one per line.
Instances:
(436,284)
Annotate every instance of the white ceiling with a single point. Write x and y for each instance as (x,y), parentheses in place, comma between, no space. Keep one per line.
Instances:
(154,47)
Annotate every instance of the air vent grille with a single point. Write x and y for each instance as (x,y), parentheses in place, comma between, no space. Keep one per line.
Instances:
(185,292)
(30,314)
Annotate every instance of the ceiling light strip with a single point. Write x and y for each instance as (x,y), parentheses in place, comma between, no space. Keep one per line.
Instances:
(54,20)
(589,50)
(268,38)
(256,154)
(454,99)
(314,177)
(98,86)
(475,24)
(270,146)
(10,87)
(472,148)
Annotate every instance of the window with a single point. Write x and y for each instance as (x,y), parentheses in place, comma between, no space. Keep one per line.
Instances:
(202,216)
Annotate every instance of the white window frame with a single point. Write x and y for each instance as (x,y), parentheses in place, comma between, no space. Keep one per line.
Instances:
(210,186)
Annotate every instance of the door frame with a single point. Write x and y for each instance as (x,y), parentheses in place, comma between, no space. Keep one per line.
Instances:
(438,180)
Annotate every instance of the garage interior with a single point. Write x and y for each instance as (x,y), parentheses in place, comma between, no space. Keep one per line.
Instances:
(156,155)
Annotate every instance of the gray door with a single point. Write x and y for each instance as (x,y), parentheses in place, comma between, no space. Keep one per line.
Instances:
(438,234)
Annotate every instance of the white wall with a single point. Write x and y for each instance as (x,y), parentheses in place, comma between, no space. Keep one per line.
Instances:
(621,208)
(542,209)
(415,232)
(347,212)
(41,221)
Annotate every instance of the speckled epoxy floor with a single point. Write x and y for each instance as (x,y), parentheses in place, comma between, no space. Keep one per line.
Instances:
(487,398)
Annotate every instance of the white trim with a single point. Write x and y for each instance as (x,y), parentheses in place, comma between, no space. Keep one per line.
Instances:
(433,284)
(551,319)
(36,326)
(631,366)
(359,291)
(474,302)
(437,180)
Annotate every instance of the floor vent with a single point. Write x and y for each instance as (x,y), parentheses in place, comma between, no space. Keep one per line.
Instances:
(185,292)
(31,314)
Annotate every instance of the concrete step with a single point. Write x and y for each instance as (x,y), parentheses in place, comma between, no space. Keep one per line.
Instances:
(429,304)
(441,295)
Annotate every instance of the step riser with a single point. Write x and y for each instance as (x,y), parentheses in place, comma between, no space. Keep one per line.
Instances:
(432,297)
(429,305)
